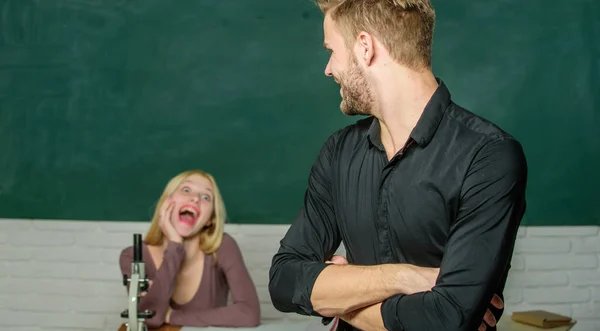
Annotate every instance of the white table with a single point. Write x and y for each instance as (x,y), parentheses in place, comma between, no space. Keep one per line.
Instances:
(506,324)
(290,326)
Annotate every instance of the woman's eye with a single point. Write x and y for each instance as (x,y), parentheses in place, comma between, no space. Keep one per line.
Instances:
(206,197)
(186,189)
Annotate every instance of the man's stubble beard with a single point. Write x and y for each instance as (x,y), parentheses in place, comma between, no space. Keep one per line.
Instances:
(357,95)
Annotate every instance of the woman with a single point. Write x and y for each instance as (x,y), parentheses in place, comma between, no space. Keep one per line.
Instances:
(191,263)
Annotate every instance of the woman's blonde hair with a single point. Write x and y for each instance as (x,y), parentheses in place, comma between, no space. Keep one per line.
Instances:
(211,235)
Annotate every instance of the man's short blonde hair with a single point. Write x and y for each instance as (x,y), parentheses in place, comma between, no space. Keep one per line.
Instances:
(404,27)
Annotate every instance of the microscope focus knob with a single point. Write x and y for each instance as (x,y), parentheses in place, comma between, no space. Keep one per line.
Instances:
(146,314)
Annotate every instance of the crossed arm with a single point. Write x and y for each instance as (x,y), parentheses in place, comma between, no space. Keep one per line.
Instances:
(338,287)
(475,262)
(369,318)
(341,289)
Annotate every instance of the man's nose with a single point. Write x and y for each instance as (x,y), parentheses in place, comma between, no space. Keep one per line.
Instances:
(328,72)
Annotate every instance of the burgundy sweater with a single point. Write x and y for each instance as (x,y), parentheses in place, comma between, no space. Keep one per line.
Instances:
(209,306)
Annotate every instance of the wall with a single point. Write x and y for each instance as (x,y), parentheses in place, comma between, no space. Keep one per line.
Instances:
(94,94)
(57,275)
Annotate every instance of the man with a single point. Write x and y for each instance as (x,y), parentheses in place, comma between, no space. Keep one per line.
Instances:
(418,185)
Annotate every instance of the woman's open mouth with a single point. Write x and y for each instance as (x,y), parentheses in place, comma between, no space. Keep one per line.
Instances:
(188,214)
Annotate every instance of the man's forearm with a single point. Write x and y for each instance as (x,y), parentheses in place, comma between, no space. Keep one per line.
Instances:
(368,318)
(340,289)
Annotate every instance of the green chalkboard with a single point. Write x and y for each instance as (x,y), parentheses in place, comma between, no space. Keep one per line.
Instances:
(101,103)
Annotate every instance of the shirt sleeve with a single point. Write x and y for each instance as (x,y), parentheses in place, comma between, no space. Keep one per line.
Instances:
(479,248)
(312,238)
(245,309)
(159,294)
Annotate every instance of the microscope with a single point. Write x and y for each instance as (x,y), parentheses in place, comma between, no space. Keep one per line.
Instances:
(138,283)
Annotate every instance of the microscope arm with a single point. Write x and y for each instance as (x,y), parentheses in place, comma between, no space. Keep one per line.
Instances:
(133,302)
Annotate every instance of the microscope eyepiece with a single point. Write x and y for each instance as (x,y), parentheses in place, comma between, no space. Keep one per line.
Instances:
(137,247)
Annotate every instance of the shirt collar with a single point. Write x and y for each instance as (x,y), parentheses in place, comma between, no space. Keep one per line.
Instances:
(428,122)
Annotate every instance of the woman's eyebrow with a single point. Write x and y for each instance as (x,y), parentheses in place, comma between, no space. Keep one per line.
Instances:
(207,188)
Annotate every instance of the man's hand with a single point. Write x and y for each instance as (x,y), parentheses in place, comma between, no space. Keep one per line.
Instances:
(489,317)
(429,276)
(337,259)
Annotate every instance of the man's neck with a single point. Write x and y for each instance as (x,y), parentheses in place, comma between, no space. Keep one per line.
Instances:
(402,96)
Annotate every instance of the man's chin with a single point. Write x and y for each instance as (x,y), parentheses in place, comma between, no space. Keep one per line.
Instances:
(350,111)
(346,110)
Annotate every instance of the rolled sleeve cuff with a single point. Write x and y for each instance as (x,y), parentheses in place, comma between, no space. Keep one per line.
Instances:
(389,313)
(306,278)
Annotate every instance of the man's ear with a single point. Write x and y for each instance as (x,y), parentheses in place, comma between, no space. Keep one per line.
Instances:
(366,47)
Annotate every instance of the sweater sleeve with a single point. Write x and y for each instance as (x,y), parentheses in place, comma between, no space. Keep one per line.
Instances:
(159,294)
(245,309)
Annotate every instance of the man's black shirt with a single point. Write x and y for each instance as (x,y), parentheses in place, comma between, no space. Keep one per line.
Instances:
(452,198)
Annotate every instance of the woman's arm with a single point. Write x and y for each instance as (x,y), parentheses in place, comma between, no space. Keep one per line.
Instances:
(245,309)
(159,294)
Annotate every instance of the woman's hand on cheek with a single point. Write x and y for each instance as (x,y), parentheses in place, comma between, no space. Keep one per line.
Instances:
(165,222)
